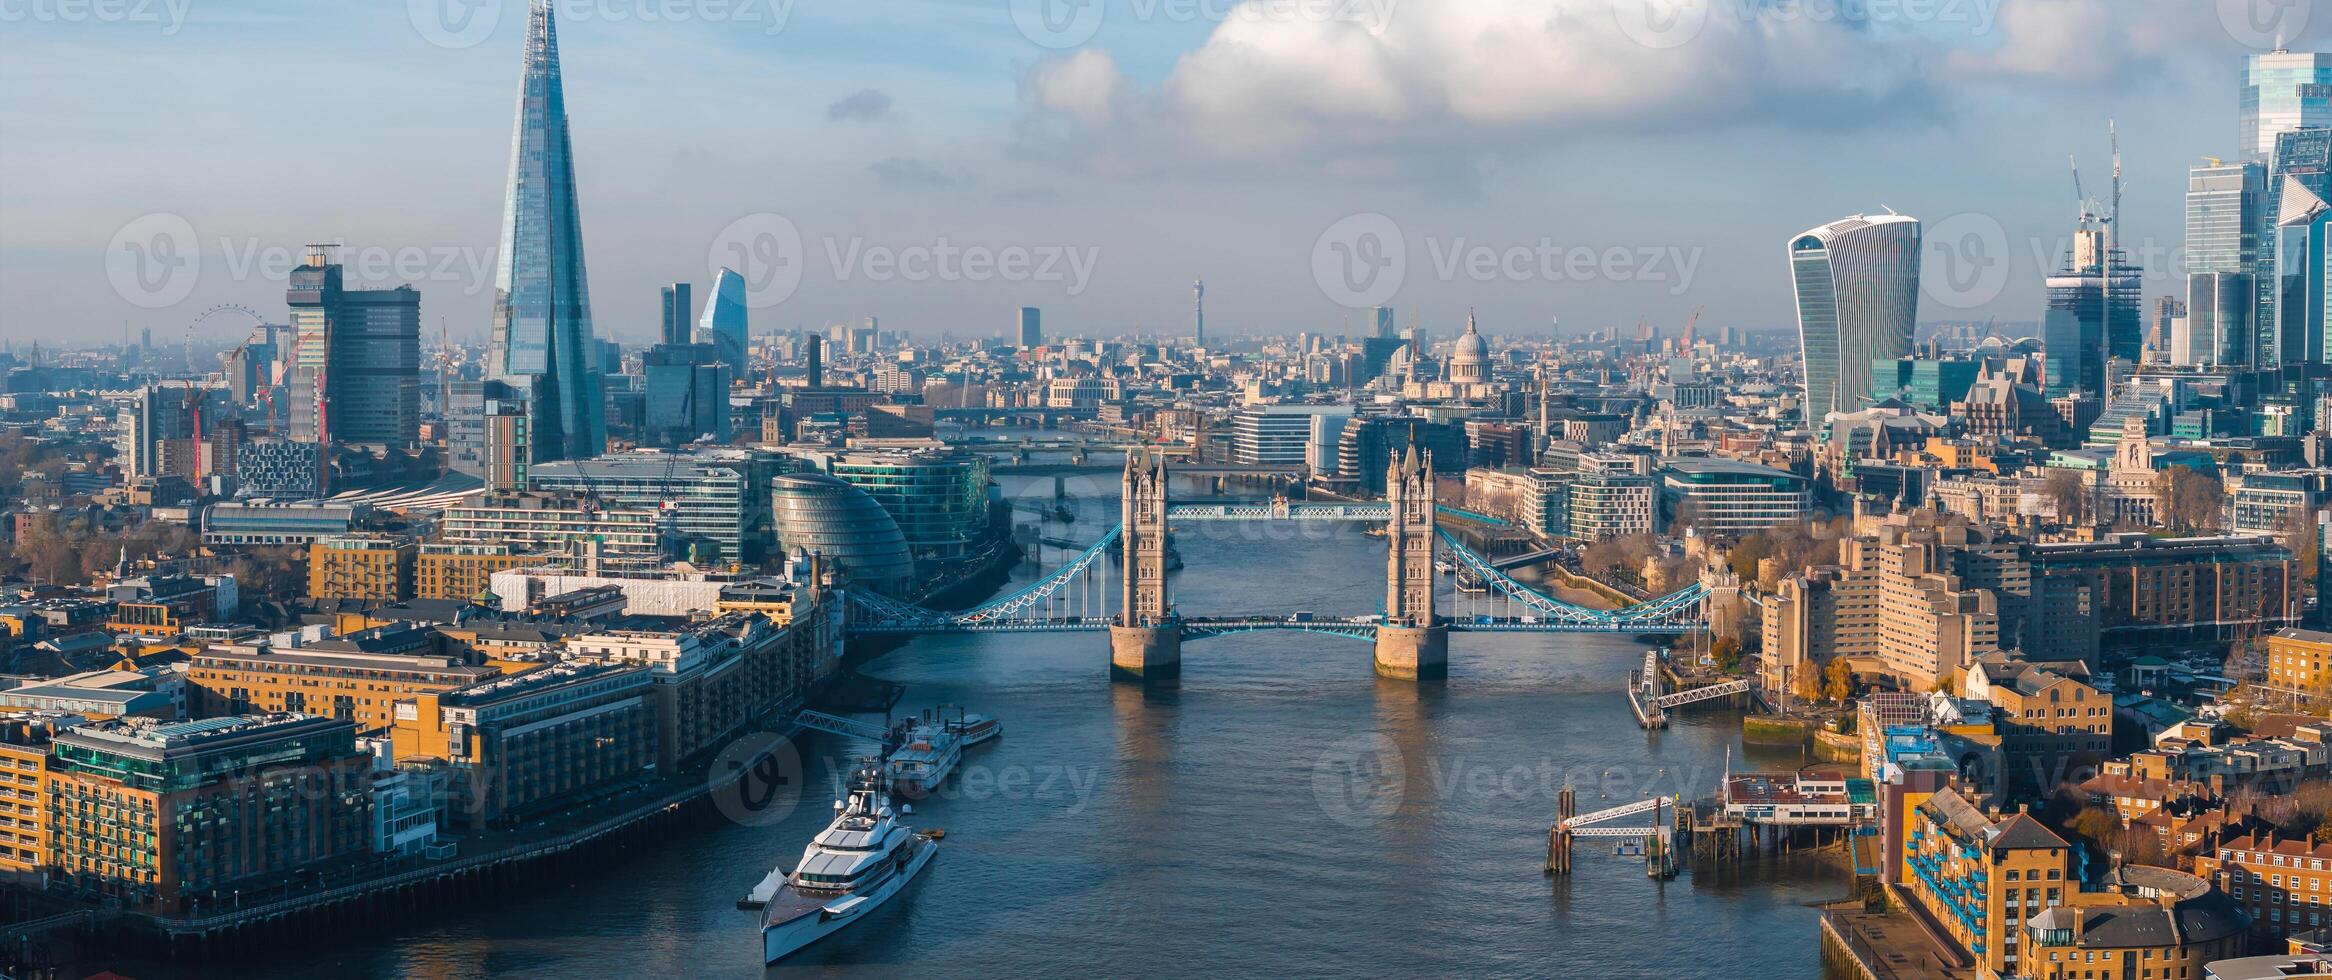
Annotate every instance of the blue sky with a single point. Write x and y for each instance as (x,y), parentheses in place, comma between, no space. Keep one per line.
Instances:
(1183,138)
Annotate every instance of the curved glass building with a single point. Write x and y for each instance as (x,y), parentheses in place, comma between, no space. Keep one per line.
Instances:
(1858,301)
(816,512)
(723,322)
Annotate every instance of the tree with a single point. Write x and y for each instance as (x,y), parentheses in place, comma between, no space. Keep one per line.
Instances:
(1837,681)
(2298,528)
(2186,501)
(1806,681)
(2069,494)
(1726,652)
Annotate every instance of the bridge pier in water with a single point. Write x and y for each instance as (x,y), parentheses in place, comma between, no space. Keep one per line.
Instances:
(1413,653)
(1145,653)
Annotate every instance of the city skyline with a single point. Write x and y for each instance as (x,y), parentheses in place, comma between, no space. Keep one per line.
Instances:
(987,149)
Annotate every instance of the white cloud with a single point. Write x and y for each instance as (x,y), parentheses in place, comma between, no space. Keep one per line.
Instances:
(1437,75)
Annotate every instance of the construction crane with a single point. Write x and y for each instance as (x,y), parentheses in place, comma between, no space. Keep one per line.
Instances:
(1691,328)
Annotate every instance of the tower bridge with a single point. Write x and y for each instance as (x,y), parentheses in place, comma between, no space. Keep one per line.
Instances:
(1146,630)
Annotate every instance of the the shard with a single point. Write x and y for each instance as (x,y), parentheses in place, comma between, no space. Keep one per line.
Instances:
(542,338)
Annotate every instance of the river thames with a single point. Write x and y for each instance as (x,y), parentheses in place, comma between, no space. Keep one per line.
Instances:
(1281,811)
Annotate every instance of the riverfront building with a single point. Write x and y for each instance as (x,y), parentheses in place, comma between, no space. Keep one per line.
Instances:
(356,677)
(518,746)
(159,816)
(1722,496)
(556,522)
(817,513)
(939,498)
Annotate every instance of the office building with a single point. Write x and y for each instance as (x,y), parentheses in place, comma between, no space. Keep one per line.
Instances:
(486,429)
(1381,319)
(2226,251)
(1893,605)
(159,429)
(2302,252)
(372,566)
(816,513)
(715,501)
(677,310)
(525,744)
(541,338)
(1726,497)
(1929,384)
(1857,288)
(938,497)
(1287,435)
(687,394)
(2283,91)
(2304,157)
(262,522)
(1032,333)
(356,370)
(723,325)
(2092,317)
(162,816)
(562,522)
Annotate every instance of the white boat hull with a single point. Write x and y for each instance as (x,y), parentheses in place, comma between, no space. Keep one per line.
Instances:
(782,939)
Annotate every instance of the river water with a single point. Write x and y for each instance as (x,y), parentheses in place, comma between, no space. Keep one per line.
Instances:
(1281,811)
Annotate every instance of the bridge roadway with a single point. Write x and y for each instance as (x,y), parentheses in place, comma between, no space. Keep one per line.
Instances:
(1349,627)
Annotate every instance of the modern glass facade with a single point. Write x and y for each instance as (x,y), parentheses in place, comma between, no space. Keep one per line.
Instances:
(1857,284)
(676,304)
(723,324)
(2305,157)
(2084,325)
(542,303)
(356,377)
(712,496)
(2225,249)
(939,499)
(814,512)
(2300,272)
(2284,91)
(1924,383)
(687,394)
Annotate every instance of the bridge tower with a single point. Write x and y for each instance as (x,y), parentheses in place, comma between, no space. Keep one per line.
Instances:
(1145,643)
(1413,643)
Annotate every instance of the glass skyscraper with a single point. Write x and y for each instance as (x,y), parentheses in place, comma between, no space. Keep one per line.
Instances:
(1857,283)
(542,335)
(357,375)
(723,325)
(2300,259)
(2225,250)
(2083,326)
(2282,92)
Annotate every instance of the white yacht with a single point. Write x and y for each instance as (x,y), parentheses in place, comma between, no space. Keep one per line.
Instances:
(926,756)
(850,869)
(972,728)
